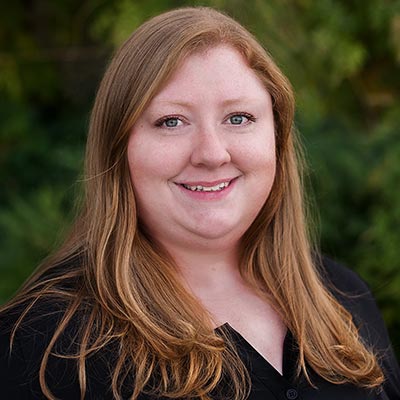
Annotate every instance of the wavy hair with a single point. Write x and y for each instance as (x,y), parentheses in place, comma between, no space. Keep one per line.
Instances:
(129,287)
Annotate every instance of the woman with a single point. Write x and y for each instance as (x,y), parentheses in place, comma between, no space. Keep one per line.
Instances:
(189,273)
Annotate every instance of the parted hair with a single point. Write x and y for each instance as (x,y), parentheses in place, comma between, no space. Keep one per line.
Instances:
(128,287)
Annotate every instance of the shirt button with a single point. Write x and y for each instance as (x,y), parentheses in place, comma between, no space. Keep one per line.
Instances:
(291,394)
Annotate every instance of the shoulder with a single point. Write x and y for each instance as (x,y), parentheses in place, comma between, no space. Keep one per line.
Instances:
(21,358)
(27,328)
(36,313)
(20,363)
(23,344)
(341,278)
(354,294)
(38,320)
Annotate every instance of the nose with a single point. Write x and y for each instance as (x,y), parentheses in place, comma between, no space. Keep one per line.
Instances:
(209,149)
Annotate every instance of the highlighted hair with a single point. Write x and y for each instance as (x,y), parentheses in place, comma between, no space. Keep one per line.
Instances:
(129,289)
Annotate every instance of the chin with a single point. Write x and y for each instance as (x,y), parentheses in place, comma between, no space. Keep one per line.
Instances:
(220,233)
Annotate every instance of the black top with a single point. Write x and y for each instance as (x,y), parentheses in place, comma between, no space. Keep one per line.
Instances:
(19,372)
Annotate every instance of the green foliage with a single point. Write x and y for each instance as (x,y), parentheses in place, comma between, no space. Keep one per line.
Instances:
(342,57)
(31,225)
(356,180)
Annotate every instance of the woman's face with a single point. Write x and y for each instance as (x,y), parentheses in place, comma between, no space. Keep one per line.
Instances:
(202,155)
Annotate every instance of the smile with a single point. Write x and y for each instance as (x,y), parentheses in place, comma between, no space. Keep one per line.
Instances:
(202,188)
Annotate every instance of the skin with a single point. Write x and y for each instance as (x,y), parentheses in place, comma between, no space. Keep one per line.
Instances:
(204,148)
(211,124)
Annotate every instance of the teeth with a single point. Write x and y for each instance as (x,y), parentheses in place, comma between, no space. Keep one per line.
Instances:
(199,188)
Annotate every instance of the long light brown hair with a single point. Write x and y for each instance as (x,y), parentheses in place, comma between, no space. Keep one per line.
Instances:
(129,287)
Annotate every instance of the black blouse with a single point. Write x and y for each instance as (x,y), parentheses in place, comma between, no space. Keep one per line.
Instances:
(19,371)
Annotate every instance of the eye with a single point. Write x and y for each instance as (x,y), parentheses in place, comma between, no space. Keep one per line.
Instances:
(169,122)
(240,119)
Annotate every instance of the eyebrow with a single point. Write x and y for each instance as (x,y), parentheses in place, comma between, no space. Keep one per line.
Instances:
(227,102)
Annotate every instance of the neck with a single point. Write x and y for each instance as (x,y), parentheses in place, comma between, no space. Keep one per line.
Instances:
(207,269)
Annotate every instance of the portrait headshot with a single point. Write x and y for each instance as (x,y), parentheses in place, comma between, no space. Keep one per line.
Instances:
(194,265)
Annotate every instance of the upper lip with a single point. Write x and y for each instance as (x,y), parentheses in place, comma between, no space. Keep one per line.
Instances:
(205,183)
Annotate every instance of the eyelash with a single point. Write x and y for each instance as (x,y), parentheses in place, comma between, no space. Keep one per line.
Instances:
(161,121)
(250,117)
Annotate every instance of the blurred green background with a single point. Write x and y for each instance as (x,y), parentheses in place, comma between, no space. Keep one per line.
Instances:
(342,56)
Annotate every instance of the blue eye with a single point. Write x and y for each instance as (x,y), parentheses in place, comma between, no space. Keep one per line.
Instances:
(237,119)
(169,122)
(240,119)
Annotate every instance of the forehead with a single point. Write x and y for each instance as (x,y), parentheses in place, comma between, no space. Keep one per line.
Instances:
(220,70)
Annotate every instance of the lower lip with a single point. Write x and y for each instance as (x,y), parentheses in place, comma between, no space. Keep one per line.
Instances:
(217,195)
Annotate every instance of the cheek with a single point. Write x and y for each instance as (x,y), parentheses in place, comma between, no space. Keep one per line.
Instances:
(265,154)
(257,157)
(145,159)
